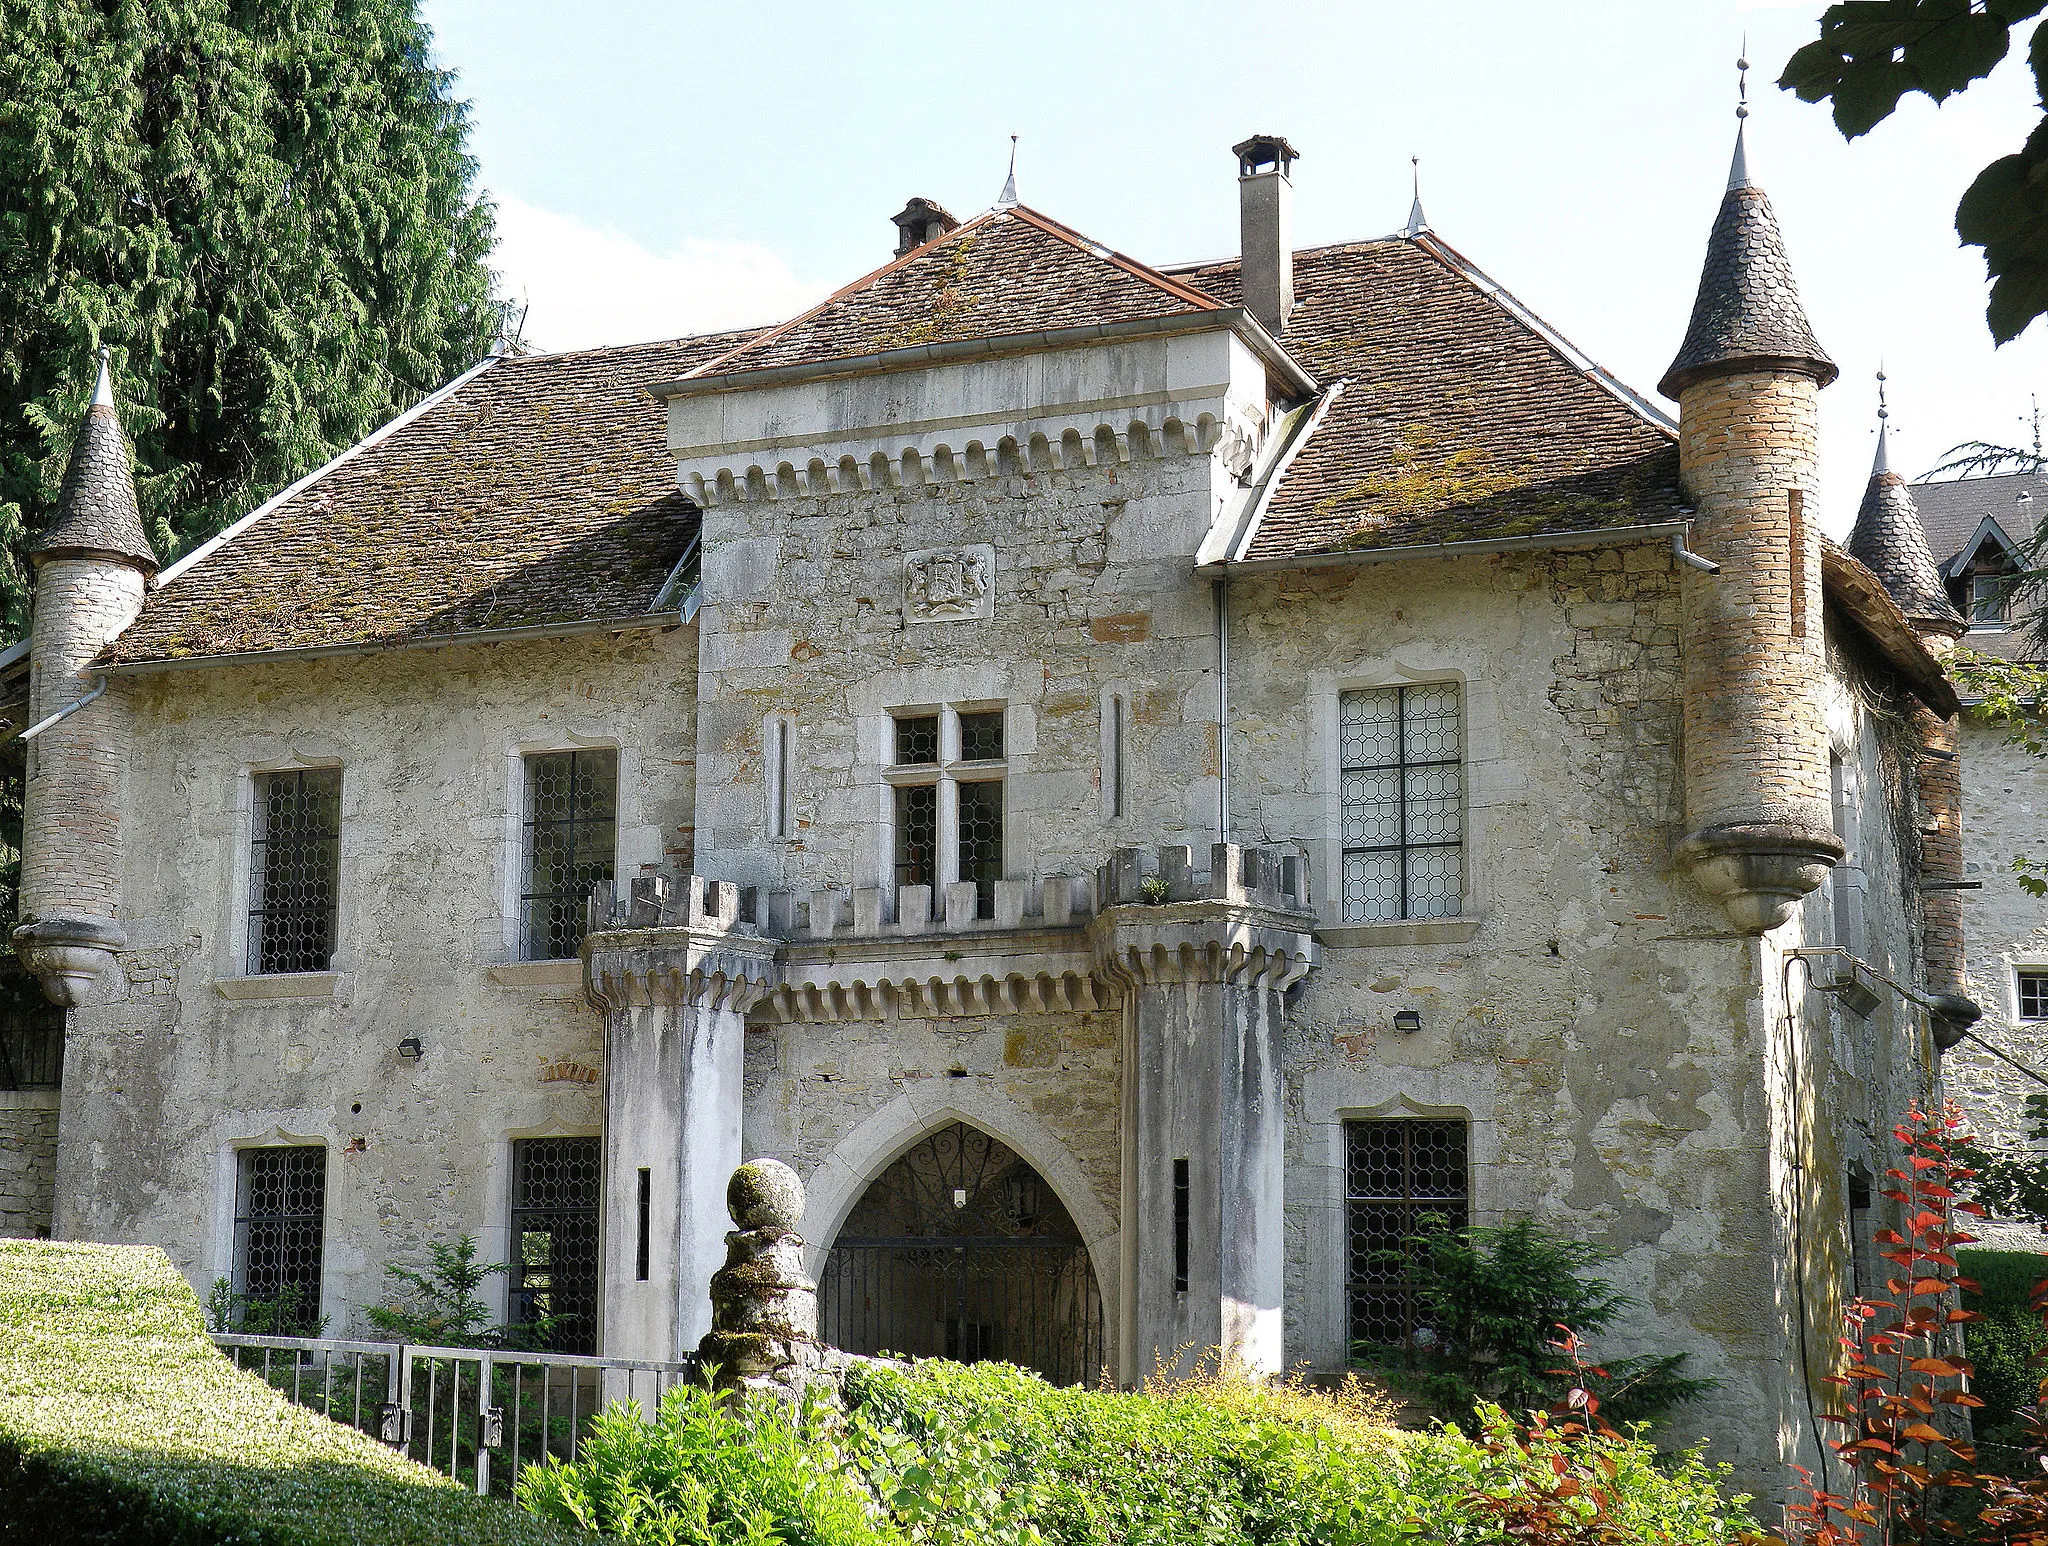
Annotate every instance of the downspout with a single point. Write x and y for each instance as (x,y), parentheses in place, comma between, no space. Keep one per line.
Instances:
(1222,708)
(64,713)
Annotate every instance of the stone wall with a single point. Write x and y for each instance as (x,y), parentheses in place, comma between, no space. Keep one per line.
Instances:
(2004,813)
(189,1058)
(28,1161)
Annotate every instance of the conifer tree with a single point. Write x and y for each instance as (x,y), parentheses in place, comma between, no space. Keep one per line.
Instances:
(268,210)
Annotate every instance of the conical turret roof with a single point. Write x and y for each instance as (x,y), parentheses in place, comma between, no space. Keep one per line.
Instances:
(1890,541)
(96,510)
(1747,314)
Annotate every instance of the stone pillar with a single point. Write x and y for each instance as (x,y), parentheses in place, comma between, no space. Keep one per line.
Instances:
(764,1311)
(71,813)
(1758,811)
(1204,976)
(675,1001)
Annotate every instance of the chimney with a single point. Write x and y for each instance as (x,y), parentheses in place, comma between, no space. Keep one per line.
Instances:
(921,221)
(1265,170)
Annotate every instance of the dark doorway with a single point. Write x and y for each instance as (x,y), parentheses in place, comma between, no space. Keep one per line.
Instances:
(961,1250)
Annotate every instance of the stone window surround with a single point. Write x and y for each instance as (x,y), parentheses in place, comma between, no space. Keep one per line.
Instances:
(948,773)
(494,1232)
(234,1132)
(2016,962)
(778,763)
(233,979)
(1316,1179)
(634,839)
(1485,781)
(1847,887)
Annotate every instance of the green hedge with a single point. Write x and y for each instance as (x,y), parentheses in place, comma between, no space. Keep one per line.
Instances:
(2003,1346)
(992,1455)
(120,1422)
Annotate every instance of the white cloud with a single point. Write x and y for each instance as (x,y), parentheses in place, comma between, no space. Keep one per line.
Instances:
(588,286)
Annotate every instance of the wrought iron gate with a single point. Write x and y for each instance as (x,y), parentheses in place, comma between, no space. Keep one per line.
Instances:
(961,1250)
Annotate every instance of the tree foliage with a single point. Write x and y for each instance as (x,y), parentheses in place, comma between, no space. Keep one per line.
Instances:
(1870,53)
(266,209)
(440,1306)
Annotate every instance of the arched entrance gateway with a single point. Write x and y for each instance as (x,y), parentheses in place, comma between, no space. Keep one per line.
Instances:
(960,1249)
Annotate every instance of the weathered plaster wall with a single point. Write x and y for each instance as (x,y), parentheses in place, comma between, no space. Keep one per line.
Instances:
(28,1161)
(2004,813)
(190,1059)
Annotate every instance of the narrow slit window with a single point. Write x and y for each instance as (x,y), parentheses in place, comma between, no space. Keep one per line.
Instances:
(776,776)
(1181,1204)
(1402,793)
(572,812)
(646,1201)
(1116,756)
(280,1230)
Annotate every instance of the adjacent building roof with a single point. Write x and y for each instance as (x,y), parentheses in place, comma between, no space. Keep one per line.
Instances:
(1888,539)
(1462,418)
(535,491)
(95,510)
(1953,514)
(1009,270)
(1747,313)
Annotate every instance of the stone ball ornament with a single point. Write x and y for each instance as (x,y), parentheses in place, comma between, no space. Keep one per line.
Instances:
(765,1194)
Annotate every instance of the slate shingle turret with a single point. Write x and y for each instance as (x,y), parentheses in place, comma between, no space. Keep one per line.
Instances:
(1890,541)
(96,510)
(1747,315)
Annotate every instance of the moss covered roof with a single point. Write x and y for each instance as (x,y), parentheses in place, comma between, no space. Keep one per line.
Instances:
(538,492)
(1460,420)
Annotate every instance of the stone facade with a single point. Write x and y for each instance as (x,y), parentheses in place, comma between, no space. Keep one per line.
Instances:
(28,1162)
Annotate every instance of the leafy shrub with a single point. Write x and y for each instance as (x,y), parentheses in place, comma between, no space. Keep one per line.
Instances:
(440,1307)
(991,1454)
(291,1314)
(1496,1301)
(120,1422)
(2002,1346)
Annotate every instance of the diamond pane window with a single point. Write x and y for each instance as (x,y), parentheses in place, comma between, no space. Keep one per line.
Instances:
(1401,796)
(2034,995)
(294,870)
(917,834)
(1400,1176)
(555,1187)
(981,842)
(280,1219)
(917,740)
(572,815)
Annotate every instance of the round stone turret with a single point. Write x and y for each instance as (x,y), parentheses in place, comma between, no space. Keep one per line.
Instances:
(1759,814)
(93,563)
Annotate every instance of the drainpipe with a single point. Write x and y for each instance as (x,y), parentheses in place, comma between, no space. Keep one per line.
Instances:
(64,713)
(1222,709)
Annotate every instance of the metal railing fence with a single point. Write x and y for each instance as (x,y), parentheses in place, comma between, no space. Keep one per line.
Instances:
(478,1415)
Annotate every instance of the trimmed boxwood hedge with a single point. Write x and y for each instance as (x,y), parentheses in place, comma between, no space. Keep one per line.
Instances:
(120,1422)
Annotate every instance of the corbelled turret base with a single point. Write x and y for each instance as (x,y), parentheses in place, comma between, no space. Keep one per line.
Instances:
(1759,872)
(68,955)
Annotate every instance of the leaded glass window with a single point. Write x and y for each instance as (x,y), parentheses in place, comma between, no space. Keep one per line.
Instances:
(917,834)
(1402,1177)
(556,1183)
(572,817)
(280,1222)
(981,841)
(294,870)
(1402,792)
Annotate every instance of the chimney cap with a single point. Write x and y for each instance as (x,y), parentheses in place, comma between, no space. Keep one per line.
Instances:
(1264,151)
(921,221)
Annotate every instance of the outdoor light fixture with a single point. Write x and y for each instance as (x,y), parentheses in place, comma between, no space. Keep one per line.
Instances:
(1853,989)
(1407,1021)
(411,1050)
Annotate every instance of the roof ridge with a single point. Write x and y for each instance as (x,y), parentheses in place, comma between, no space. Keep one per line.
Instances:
(1107,254)
(741,333)
(854,287)
(1236,260)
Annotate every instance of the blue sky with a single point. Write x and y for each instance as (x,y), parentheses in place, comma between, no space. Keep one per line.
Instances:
(667,168)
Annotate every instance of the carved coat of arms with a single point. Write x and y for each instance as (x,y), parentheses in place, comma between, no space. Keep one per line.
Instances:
(944,584)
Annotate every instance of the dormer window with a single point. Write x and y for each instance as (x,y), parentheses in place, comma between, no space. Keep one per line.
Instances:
(1987,598)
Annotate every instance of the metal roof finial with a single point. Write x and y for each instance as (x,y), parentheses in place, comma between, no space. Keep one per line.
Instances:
(1417,221)
(1738,169)
(1009,195)
(1883,462)
(103,389)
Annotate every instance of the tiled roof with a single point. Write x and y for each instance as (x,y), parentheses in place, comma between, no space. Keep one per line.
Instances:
(539,491)
(1461,420)
(1747,310)
(95,510)
(1951,512)
(1889,541)
(1007,271)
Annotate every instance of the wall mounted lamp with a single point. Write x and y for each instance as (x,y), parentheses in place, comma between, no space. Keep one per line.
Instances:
(1407,1021)
(411,1050)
